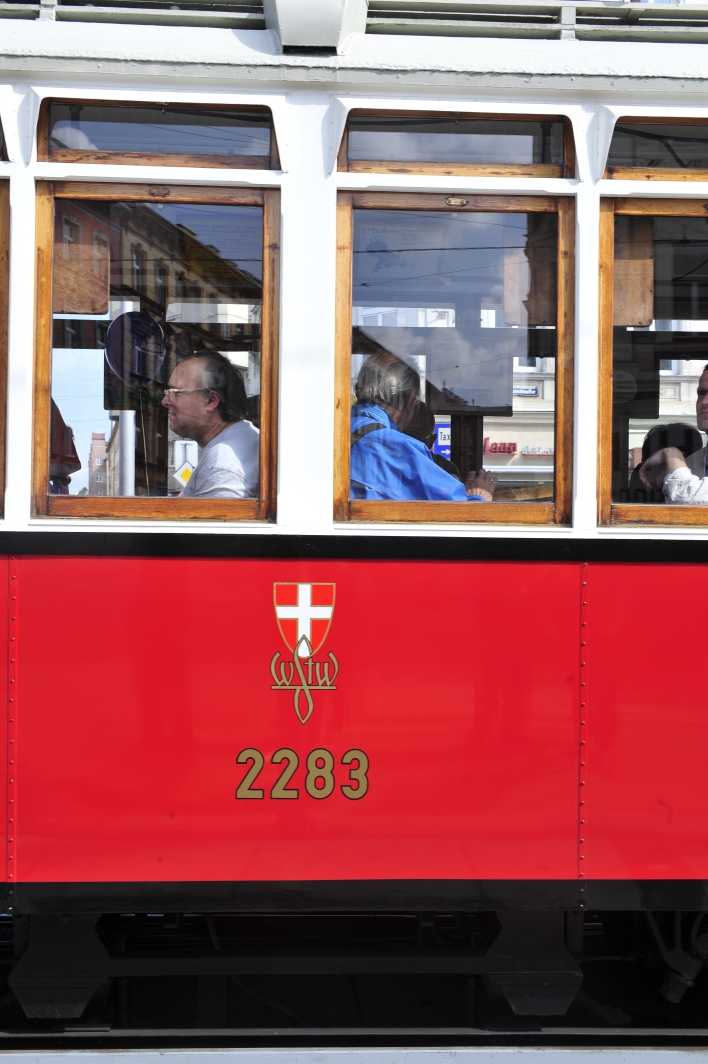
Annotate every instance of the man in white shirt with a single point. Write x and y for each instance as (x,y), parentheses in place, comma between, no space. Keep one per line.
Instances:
(684,481)
(206,401)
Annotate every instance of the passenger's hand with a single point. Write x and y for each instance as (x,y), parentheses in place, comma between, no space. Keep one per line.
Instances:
(481,483)
(657,467)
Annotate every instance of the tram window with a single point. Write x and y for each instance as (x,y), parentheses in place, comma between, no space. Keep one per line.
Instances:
(459,348)
(458,143)
(174,135)
(3,146)
(655,351)
(676,150)
(157,357)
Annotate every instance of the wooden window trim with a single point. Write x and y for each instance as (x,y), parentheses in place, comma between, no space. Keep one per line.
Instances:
(261,509)
(447,169)
(655,173)
(137,158)
(557,512)
(609,512)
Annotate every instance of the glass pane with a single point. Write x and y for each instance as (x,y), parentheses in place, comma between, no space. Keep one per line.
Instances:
(660,351)
(665,146)
(138,290)
(455,140)
(453,355)
(158,130)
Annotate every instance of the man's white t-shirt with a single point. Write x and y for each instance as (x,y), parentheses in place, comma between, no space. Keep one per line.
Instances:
(228,466)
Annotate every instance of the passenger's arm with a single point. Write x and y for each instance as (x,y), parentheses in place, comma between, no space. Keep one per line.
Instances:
(660,465)
(667,470)
(222,483)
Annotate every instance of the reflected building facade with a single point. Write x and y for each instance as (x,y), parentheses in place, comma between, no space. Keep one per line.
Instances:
(114,259)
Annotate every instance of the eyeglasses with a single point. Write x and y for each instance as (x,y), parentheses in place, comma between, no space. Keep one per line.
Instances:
(170,393)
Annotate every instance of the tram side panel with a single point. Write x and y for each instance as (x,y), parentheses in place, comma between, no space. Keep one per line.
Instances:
(8,633)
(646,721)
(440,709)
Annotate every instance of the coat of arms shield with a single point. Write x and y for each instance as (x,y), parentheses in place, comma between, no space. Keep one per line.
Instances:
(304,613)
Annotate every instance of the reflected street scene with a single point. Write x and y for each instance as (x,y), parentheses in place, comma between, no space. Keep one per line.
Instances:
(467,301)
(660,351)
(146,297)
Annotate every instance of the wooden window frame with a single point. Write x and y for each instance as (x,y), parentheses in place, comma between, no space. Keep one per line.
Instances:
(609,512)
(447,169)
(141,158)
(524,513)
(655,173)
(139,508)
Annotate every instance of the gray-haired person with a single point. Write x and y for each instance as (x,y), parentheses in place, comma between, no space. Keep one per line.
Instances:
(385,462)
(206,401)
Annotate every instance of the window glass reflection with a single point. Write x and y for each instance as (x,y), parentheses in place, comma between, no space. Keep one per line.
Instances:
(453,356)
(455,140)
(660,350)
(158,130)
(664,146)
(156,349)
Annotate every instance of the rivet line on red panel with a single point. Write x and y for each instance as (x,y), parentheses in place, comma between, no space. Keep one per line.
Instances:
(582,730)
(11,870)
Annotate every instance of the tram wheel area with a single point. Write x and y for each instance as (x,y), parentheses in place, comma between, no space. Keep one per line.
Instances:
(350,975)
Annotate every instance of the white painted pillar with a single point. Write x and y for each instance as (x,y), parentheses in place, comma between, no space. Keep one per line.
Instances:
(306,386)
(18,490)
(586,330)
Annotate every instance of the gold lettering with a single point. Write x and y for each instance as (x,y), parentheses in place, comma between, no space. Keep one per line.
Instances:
(304,689)
(284,674)
(323,678)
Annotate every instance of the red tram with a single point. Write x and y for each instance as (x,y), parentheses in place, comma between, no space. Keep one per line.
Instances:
(410,735)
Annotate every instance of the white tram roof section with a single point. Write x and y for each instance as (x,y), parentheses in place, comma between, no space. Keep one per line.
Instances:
(498,44)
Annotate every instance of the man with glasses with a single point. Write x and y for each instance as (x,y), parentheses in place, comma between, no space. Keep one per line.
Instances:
(206,401)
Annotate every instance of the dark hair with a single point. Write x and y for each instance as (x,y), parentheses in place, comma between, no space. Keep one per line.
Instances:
(422,424)
(226,381)
(385,379)
(676,434)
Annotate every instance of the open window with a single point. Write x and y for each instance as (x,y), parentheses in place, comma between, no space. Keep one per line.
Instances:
(654,353)
(457,143)
(657,149)
(155,134)
(156,352)
(460,310)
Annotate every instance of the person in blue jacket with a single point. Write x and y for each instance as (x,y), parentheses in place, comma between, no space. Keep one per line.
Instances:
(385,462)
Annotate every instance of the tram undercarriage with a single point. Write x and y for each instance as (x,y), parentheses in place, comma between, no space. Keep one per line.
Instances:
(487,971)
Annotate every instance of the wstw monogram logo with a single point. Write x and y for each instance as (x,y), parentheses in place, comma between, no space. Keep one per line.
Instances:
(304,613)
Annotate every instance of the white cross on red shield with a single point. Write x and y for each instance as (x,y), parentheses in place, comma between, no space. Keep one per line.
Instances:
(304,613)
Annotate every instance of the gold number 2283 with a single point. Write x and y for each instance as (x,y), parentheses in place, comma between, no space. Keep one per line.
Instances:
(320,779)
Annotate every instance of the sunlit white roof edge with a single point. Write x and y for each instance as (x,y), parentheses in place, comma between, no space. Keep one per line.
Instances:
(374,55)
